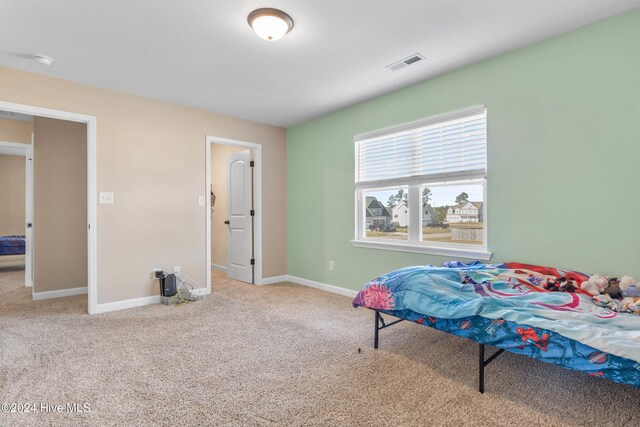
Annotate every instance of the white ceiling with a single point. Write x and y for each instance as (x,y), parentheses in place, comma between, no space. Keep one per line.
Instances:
(202,53)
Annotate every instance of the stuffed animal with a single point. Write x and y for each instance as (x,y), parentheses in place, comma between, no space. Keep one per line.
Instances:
(607,302)
(613,289)
(632,305)
(601,300)
(595,285)
(629,287)
(561,284)
(616,306)
(627,305)
(626,282)
(551,285)
(632,291)
(569,286)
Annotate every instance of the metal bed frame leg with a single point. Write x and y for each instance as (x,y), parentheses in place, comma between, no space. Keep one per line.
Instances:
(481,369)
(377,329)
(483,364)
(379,325)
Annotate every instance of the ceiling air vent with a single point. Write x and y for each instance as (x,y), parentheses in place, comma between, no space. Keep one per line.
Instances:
(405,62)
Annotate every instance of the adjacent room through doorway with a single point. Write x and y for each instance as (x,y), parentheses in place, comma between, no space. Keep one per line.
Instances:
(231,206)
(43,222)
(16,134)
(233,225)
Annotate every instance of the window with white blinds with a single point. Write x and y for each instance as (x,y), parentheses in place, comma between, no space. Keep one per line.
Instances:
(421,186)
(448,147)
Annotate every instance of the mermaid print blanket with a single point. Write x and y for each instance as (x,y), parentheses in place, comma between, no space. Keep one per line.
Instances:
(510,292)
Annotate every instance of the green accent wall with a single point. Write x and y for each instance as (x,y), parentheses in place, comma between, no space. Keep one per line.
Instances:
(563,159)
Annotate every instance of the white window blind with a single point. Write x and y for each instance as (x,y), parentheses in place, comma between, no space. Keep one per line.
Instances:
(448,147)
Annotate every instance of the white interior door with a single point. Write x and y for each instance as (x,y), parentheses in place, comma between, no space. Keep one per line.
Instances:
(239,218)
(28,259)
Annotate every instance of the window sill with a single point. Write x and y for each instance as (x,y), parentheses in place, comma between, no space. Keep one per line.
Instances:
(479,254)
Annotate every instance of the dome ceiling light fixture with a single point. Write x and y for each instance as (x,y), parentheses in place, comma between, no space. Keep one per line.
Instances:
(270,24)
(42,59)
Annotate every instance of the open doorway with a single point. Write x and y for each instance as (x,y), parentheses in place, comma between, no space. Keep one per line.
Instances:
(234,217)
(58,240)
(16,192)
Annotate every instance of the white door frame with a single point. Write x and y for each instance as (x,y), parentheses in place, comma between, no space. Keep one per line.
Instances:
(20,149)
(92,207)
(257,194)
(29,199)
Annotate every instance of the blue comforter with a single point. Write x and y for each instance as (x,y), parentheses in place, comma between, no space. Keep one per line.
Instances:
(495,292)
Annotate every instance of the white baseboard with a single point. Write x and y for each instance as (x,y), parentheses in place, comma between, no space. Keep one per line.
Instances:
(59,294)
(128,303)
(322,286)
(201,291)
(218,267)
(138,302)
(275,279)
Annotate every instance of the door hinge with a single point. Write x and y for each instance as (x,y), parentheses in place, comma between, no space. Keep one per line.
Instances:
(253,261)
(252,212)
(252,163)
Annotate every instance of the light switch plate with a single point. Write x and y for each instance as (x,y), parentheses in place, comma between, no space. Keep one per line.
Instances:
(106,198)
(201,200)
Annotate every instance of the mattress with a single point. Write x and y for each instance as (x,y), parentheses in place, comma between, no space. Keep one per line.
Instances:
(507,308)
(12,245)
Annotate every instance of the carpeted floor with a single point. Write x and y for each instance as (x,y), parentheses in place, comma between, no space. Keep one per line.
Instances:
(274,355)
(11,278)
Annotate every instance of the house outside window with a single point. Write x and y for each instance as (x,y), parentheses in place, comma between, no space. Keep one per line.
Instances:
(421,186)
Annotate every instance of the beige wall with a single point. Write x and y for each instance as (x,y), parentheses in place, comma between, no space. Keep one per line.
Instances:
(16,131)
(12,195)
(60,205)
(151,154)
(219,179)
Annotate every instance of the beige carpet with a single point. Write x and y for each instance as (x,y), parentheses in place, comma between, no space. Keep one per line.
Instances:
(11,278)
(275,355)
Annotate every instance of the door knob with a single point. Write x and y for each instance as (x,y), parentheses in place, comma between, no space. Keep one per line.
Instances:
(227,222)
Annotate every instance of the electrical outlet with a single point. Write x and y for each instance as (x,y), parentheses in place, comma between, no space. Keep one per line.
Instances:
(331,265)
(176,270)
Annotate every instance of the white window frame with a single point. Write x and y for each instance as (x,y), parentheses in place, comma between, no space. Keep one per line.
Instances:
(414,243)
